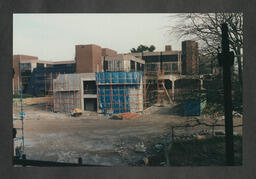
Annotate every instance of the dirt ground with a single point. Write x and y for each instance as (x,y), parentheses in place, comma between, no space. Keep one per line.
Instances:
(98,139)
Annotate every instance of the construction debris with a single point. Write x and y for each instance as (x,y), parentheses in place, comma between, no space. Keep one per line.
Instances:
(128,115)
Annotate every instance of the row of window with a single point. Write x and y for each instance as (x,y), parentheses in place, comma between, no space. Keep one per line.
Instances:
(25,67)
(168,68)
(158,58)
(118,65)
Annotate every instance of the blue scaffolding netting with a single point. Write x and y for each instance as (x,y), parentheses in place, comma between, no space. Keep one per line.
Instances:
(118,92)
(40,77)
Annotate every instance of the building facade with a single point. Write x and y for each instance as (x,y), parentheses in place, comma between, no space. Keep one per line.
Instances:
(34,75)
(74,85)
(122,62)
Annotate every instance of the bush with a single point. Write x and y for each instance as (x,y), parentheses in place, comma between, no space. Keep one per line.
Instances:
(213,108)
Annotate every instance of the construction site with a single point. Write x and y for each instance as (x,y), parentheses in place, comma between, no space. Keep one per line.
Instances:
(108,109)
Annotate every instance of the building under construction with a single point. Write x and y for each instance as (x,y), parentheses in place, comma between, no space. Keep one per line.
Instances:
(99,79)
(105,92)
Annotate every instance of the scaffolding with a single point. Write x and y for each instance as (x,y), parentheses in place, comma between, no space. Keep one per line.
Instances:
(39,83)
(67,93)
(19,145)
(155,91)
(49,92)
(119,92)
(150,91)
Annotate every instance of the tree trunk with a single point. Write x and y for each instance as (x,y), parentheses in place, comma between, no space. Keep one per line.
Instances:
(240,71)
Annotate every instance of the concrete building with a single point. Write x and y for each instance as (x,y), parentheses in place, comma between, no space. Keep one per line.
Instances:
(171,70)
(168,61)
(119,92)
(72,91)
(107,51)
(74,84)
(106,92)
(122,62)
(31,72)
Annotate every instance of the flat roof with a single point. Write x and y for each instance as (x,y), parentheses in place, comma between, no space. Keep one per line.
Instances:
(57,62)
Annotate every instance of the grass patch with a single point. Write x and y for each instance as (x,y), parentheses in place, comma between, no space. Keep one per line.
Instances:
(205,152)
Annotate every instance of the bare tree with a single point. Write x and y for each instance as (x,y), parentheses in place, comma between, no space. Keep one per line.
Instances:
(206,29)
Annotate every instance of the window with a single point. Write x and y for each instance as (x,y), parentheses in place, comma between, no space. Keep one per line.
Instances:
(174,68)
(118,65)
(89,87)
(25,66)
(40,65)
(154,67)
(132,65)
(105,65)
(138,66)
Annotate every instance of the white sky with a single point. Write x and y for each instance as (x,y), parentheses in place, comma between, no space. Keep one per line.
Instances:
(54,36)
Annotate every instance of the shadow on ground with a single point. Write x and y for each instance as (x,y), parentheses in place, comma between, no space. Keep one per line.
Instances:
(171,110)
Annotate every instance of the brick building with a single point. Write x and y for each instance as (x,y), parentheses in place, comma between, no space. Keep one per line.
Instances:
(32,74)
(88,58)
(189,58)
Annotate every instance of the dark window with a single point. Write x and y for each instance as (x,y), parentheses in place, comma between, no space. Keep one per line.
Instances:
(167,67)
(132,65)
(105,65)
(138,66)
(40,65)
(90,87)
(156,58)
(118,65)
(90,104)
(25,66)
(25,69)
(151,67)
(174,68)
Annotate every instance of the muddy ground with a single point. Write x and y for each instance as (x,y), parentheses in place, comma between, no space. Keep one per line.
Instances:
(96,138)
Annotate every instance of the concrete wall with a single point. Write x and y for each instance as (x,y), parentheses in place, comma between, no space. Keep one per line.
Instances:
(67,93)
(107,51)
(68,89)
(136,98)
(123,60)
(66,101)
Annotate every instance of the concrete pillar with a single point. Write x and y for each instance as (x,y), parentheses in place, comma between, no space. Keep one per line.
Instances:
(18,88)
(173,87)
(201,83)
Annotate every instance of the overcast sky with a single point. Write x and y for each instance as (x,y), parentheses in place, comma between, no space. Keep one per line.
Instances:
(54,36)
